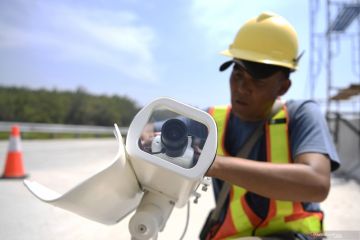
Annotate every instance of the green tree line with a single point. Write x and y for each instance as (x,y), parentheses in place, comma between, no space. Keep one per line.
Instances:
(65,107)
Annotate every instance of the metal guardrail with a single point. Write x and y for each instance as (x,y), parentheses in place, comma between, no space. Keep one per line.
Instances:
(60,128)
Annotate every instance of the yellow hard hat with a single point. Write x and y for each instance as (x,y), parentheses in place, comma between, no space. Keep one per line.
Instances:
(267,38)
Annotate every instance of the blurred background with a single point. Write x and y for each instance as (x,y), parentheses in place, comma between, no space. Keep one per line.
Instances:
(71,69)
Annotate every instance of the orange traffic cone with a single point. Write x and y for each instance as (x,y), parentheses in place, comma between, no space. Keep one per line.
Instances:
(14,164)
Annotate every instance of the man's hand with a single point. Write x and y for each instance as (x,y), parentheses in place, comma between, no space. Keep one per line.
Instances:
(147,135)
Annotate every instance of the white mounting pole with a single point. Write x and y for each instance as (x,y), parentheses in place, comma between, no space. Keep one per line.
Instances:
(151,216)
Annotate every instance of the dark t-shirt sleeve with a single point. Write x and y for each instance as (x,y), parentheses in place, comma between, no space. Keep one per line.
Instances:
(309,131)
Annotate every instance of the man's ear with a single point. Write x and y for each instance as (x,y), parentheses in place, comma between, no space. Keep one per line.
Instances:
(284,87)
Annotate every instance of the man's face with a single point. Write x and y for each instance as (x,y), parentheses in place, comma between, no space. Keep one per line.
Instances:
(251,98)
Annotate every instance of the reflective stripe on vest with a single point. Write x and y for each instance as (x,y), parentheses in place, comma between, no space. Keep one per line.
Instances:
(221,116)
(240,220)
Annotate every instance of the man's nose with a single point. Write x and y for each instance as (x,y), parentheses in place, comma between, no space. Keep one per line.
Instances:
(244,86)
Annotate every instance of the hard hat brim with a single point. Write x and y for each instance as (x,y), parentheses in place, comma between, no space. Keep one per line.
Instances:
(254,69)
(259,58)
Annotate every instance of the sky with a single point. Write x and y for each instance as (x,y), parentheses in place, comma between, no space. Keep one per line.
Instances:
(143,49)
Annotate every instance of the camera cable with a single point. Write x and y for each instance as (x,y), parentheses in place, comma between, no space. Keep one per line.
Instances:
(187,221)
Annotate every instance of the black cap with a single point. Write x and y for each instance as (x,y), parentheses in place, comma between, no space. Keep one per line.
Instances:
(256,70)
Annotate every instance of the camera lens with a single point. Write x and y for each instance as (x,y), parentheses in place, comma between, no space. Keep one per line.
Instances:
(174,137)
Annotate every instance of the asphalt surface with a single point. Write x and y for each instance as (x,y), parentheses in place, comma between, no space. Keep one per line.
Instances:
(61,164)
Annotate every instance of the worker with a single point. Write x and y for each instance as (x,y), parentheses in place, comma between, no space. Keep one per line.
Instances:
(275,190)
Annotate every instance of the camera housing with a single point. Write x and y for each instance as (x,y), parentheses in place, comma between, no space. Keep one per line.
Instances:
(168,178)
(159,172)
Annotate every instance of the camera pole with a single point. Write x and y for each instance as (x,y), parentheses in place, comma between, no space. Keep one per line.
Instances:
(150,216)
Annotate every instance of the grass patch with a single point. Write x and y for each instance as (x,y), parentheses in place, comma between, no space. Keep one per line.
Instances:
(36,135)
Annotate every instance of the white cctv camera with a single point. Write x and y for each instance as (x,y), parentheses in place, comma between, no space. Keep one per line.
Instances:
(169,148)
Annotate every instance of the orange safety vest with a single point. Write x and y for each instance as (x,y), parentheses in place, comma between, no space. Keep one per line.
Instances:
(240,220)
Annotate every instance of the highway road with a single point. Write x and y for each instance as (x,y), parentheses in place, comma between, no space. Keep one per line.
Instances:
(61,164)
